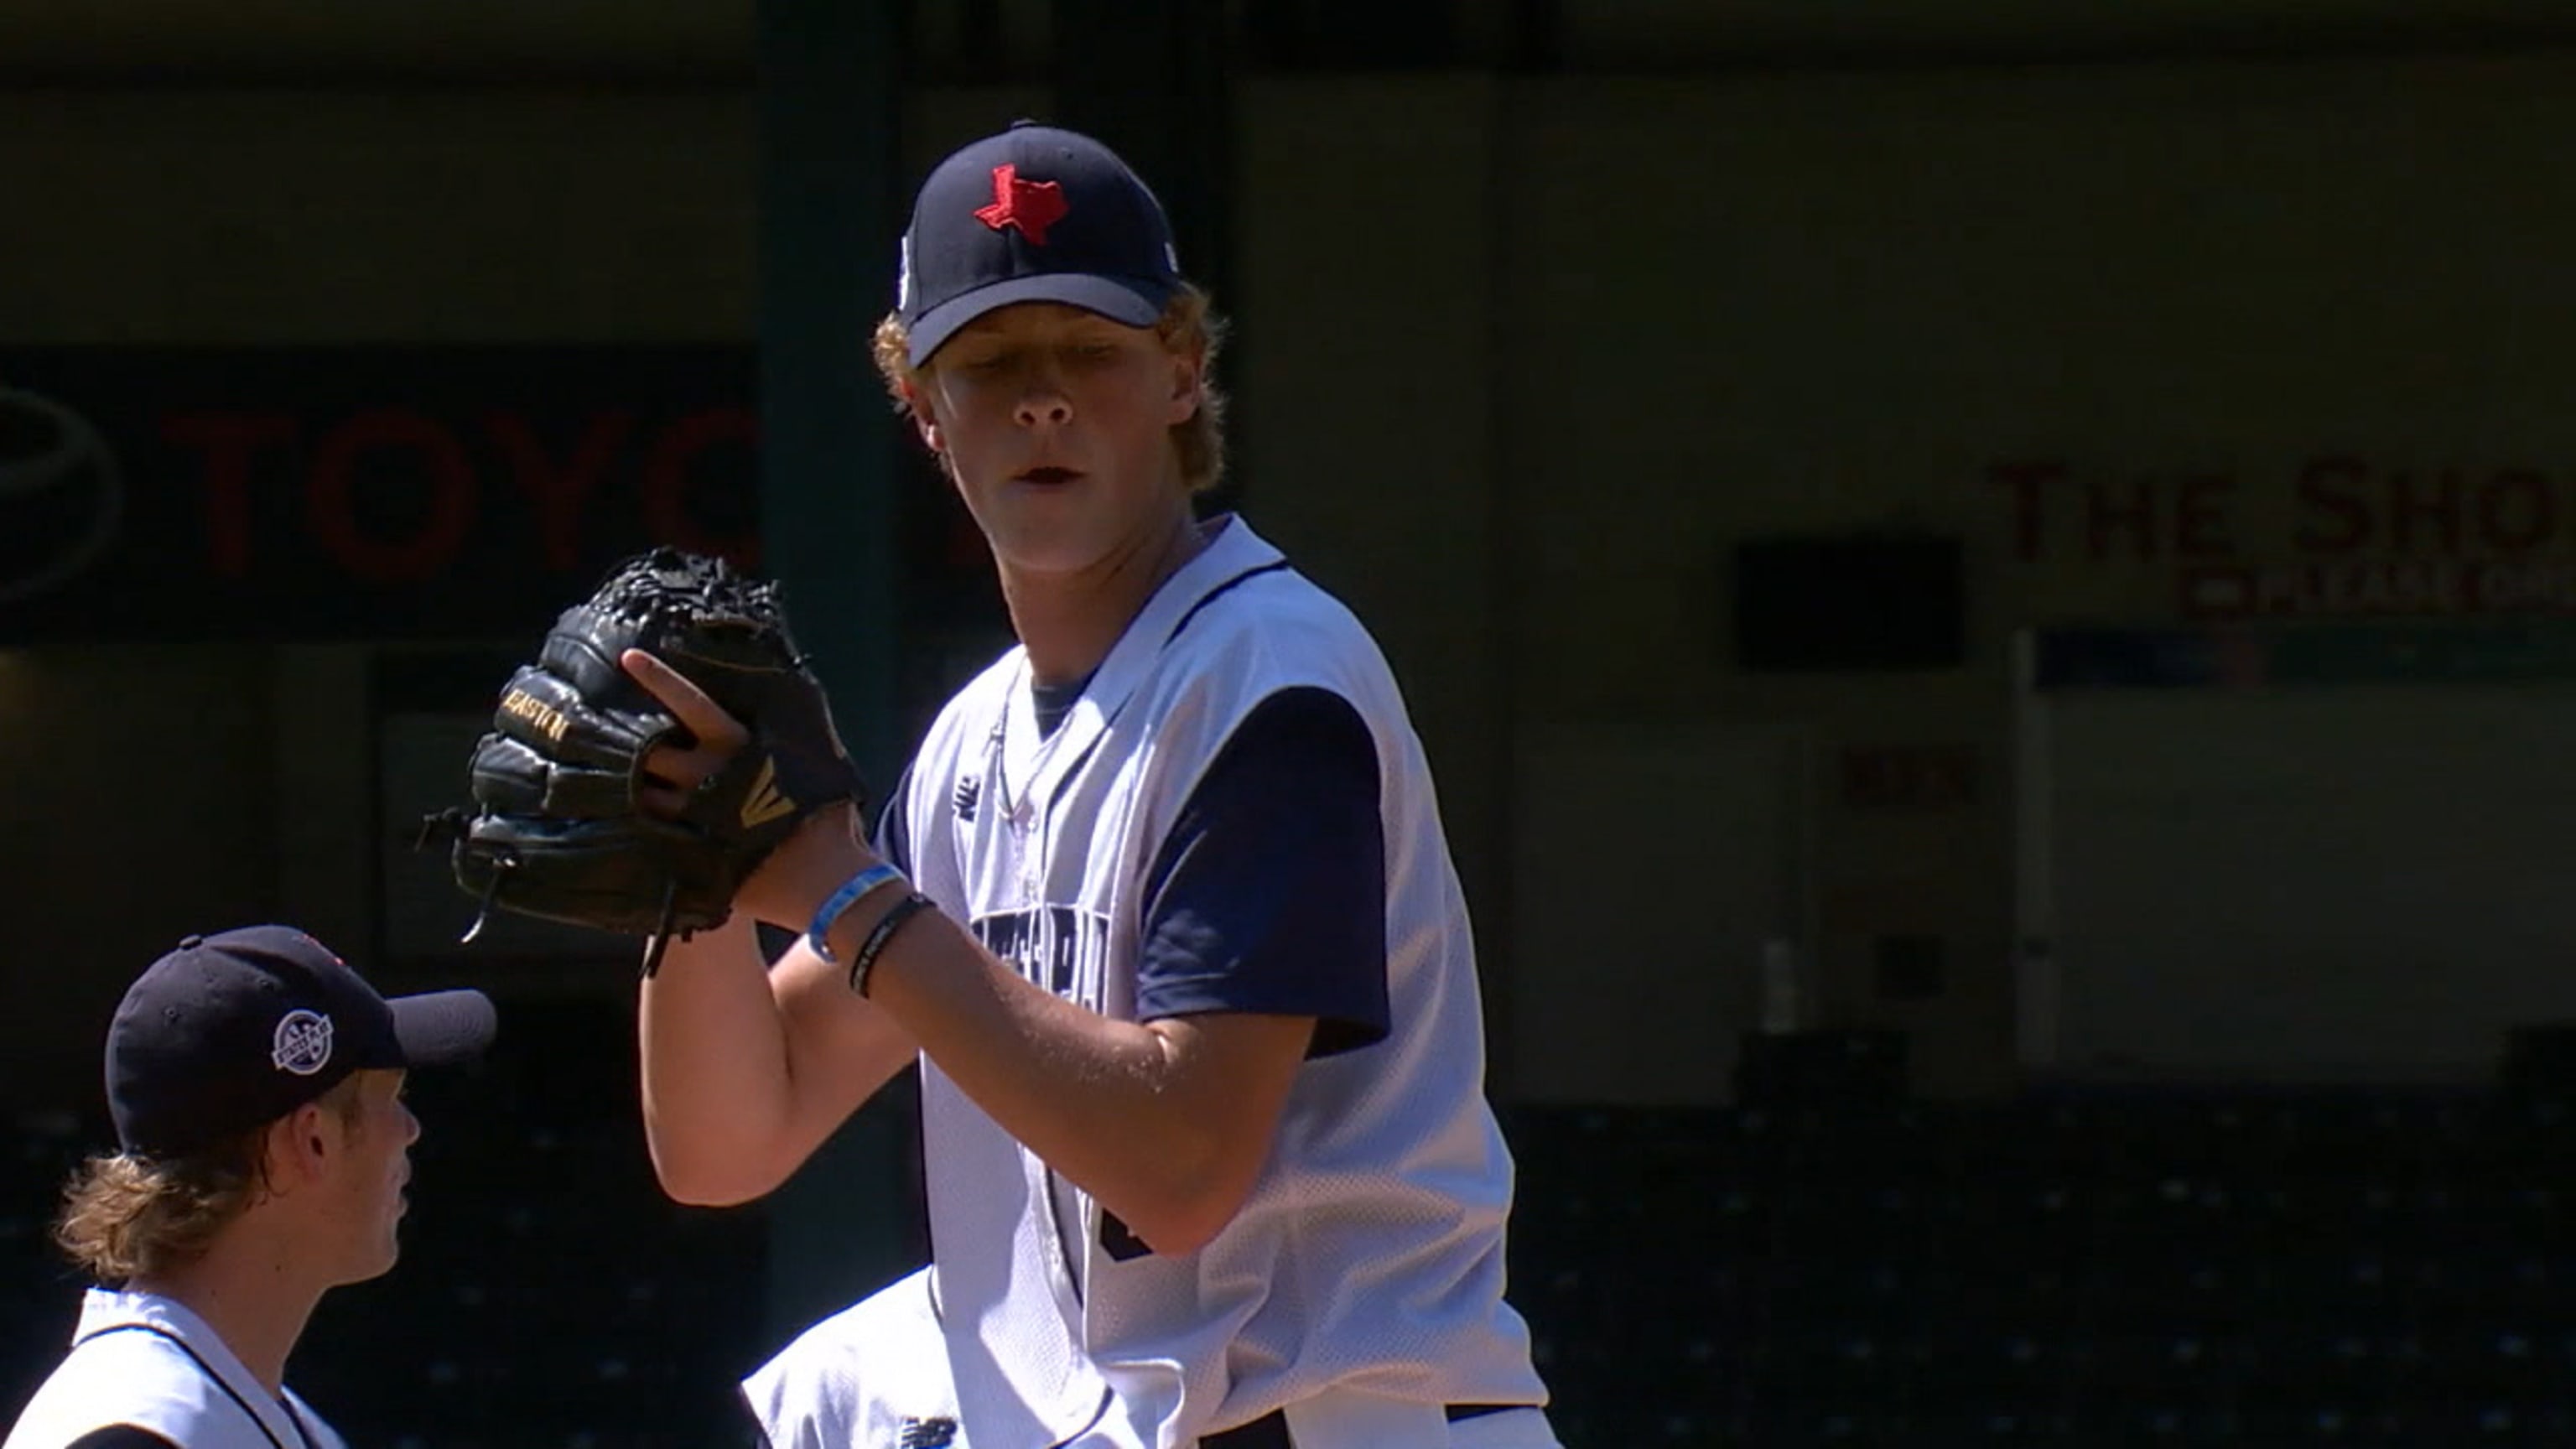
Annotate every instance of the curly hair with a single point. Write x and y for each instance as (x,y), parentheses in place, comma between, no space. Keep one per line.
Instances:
(1189,325)
(127,1216)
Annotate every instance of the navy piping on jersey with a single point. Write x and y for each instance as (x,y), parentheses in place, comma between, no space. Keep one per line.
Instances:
(1212,595)
(121,1436)
(218,1380)
(1090,748)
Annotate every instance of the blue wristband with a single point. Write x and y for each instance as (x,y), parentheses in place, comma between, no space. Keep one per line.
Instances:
(839,903)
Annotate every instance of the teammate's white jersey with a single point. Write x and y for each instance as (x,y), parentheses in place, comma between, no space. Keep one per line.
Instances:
(147,1361)
(1369,1255)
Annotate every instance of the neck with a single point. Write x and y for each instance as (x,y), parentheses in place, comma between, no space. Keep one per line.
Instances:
(1068,622)
(248,1293)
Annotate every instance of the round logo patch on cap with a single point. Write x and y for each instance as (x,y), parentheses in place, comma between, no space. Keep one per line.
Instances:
(303,1043)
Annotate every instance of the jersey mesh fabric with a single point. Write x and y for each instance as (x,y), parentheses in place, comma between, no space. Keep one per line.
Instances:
(1370,1253)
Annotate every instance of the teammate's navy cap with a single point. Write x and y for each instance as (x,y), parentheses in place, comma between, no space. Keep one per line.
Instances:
(232,1031)
(1035,214)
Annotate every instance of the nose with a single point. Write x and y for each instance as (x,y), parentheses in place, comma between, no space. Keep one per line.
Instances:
(1045,403)
(1043,399)
(411,1127)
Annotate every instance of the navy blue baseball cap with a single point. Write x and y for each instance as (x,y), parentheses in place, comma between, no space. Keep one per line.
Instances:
(1034,214)
(232,1031)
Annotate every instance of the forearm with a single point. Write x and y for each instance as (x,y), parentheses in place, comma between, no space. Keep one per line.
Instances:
(1130,1113)
(714,1062)
(740,1085)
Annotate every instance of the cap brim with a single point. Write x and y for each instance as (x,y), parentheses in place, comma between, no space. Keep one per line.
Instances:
(1135,301)
(442,1028)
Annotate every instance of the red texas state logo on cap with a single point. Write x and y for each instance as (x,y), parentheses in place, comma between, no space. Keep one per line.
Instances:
(1032,206)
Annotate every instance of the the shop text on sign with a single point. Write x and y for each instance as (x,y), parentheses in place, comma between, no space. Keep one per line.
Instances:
(2338,535)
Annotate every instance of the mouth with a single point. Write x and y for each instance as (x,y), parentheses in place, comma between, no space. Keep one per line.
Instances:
(1050,477)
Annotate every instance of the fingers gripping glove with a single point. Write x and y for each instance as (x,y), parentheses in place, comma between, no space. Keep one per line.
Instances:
(558,830)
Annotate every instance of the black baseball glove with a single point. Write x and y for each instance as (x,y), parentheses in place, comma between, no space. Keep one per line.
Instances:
(558,830)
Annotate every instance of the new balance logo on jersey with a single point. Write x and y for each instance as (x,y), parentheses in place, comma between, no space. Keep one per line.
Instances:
(932,1433)
(766,802)
(970,789)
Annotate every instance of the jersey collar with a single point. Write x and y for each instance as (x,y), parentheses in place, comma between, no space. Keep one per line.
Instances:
(1233,551)
(107,1309)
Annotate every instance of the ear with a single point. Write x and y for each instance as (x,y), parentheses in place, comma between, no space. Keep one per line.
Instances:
(301,1147)
(925,421)
(1187,368)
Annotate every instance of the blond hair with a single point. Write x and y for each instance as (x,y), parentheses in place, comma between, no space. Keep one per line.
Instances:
(1189,326)
(127,1216)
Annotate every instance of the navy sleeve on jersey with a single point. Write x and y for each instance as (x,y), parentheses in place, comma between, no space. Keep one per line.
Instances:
(1269,895)
(121,1436)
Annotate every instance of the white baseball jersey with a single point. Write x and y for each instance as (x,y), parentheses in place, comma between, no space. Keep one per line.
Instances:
(1369,1255)
(146,1361)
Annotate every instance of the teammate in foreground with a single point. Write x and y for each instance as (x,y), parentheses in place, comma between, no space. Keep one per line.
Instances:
(1162,905)
(255,1082)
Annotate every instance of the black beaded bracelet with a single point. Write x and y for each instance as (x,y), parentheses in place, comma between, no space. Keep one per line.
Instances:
(864,959)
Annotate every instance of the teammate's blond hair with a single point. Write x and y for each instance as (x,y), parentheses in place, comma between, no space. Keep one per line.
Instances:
(1190,326)
(127,1216)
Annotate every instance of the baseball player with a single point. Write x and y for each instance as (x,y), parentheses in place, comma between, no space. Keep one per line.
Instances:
(255,1083)
(1162,906)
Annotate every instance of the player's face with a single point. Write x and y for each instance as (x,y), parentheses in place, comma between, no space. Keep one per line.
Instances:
(1056,425)
(373,1169)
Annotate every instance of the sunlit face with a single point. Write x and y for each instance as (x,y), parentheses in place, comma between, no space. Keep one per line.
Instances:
(367,1177)
(1055,423)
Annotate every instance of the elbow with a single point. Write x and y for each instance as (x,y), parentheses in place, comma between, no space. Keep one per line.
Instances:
(707,1179)
(709,1189)
(1181,1233)
(1188,1211)
(1177,1233)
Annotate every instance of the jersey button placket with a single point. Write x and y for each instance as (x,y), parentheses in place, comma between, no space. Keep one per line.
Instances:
(1030,842)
